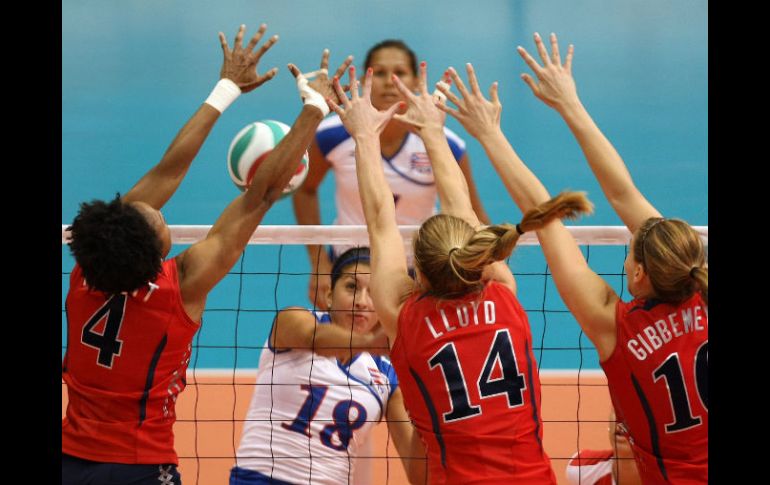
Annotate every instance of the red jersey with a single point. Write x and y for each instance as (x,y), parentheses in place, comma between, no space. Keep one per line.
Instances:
(471,386)
(658,382)
(126,359)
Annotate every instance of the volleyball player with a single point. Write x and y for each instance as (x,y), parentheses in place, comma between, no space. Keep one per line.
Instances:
(321,388)
(132,314)
(653,349)
(461,342)
(404,161)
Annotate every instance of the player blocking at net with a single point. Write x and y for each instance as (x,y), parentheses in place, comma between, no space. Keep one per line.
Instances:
(472,390)
(132,313)
(321,388)
(653,349)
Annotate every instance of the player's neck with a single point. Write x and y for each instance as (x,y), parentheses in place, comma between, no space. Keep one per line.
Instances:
(392,137)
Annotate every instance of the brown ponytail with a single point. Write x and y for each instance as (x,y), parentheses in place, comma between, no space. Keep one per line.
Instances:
(452,256)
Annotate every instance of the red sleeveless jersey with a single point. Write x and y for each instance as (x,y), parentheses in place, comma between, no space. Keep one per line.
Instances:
(471,387)
(658,382)
(125,364)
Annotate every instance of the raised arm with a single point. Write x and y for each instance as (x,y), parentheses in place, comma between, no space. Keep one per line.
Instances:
(307,210)
(390,282)
(296,328)
(407,440)
(556,88)
(585,293)
(205,263)
(238,75)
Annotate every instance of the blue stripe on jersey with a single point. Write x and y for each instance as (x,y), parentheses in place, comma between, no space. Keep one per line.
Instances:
(654,440)
(532,397)
(384,366)
(648,305)
(150,376)
(329,138)
(457,150)
(433,415)
(368,387)
(242,476)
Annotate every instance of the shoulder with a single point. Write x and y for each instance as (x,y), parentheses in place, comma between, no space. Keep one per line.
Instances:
(386,367)
(330,134)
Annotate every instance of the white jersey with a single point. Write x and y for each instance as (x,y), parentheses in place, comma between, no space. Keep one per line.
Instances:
(408,173)
(309,414)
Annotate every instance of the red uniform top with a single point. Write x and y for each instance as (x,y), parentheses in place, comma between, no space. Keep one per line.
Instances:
(125,364)
(471,386)
(658,381)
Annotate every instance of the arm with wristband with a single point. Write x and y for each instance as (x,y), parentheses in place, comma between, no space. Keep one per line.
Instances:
(238,75)
(205,263)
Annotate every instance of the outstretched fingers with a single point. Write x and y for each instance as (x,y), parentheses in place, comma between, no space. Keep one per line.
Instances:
(223,43)
(423,82)
(366,92)
(408,94)
(340,92)
(265,47)
(531,62)
(568,61)
(472,79)
(344,67)
(257,37)
(555,50)
(353,83)
(459,82)
(542,50)
(445,90)
(239,37)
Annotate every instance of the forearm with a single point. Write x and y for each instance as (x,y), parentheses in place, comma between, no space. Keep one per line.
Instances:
(307,211)
(239,220)
(335,341)
(450,181)
(604,160)
(522,185)
(158,185)
(376,197)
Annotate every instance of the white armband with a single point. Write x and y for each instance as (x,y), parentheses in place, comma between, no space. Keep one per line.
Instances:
(223,95)
(309,95)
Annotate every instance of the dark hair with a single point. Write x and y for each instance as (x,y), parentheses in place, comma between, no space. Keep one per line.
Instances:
(115,246)
(392,44)
(351,256)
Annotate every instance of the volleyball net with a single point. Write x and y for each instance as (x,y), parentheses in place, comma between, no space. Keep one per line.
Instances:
(273,273)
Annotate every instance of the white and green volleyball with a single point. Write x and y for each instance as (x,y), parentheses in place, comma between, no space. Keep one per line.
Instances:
(251,146)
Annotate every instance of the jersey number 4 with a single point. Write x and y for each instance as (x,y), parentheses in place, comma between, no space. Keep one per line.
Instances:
(511,383)
(107,343)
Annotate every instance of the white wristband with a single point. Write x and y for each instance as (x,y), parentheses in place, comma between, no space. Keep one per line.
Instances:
(309,95)
(223,94)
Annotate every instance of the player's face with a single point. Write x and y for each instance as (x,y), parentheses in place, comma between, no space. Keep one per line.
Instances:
(384,63)
(158,223)
(351,302)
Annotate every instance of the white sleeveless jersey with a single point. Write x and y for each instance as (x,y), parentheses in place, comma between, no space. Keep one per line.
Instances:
(309,414)
(408,173)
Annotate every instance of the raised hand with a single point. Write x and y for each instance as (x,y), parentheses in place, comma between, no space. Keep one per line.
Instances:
(555,85)
(357,114)
(422,112)
(478,115)
(240,64)
(319,80)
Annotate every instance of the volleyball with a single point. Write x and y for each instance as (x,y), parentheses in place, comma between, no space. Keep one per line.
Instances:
(252,145)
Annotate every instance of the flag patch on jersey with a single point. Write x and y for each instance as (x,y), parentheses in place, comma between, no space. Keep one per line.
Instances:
(420,163)
(377,377)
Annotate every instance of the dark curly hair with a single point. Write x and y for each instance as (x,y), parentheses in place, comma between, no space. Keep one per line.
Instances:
(117,249)
(393,44)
